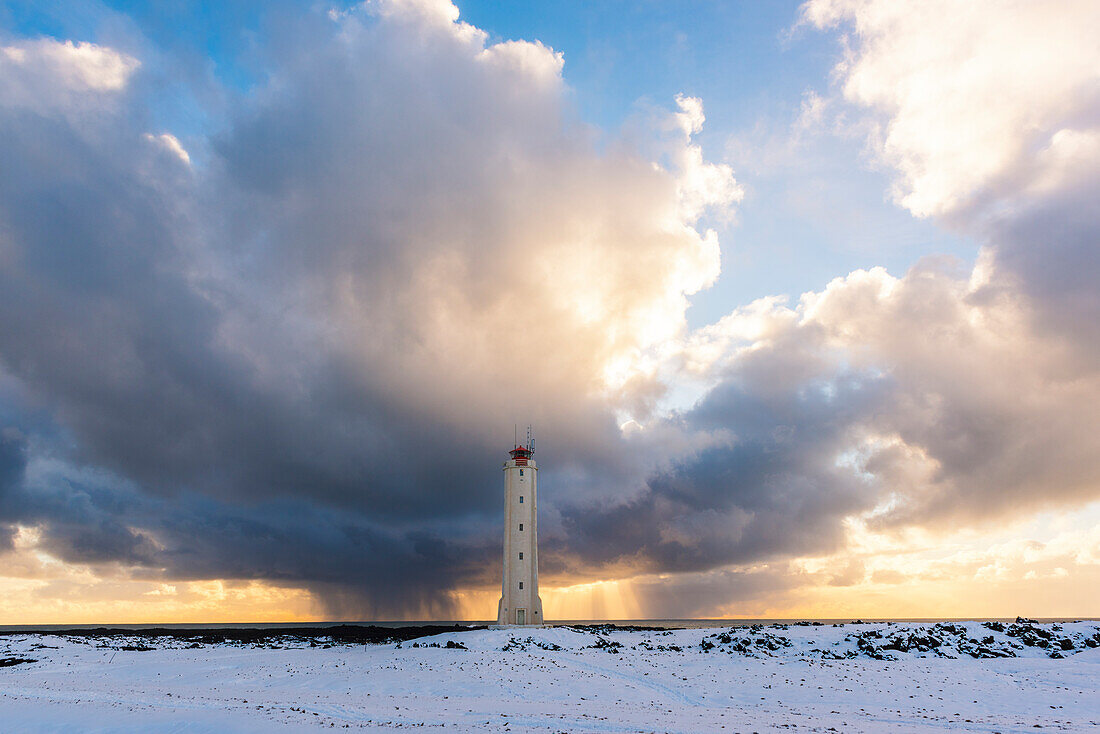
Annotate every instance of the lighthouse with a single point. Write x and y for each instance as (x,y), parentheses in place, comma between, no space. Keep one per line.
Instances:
(519,598)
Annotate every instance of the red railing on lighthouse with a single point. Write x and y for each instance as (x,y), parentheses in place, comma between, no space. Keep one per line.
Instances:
(520,454)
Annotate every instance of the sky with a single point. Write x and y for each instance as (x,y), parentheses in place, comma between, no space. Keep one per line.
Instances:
(799,299)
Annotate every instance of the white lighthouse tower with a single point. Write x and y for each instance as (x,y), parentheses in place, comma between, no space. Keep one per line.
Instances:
(519,598)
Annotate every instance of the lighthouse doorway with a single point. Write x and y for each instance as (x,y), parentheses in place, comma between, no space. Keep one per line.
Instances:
(521,616)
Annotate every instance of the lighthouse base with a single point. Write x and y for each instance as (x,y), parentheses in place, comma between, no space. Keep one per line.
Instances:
(520,616)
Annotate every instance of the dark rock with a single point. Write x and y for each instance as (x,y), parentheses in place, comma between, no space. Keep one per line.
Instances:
(8,662)
(602,643)
(341,634)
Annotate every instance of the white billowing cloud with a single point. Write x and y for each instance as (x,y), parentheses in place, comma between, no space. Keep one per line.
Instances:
(701,185)
(75,65)
(983,414)
(990,113)
(425,13)
(949,397)
(931,401)
(462,212)
(972,96)
(170,143)
(702,188)
(532,62)
(43,73)
(1072,157)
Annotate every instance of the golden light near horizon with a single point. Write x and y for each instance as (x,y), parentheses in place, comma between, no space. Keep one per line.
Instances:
(957,575)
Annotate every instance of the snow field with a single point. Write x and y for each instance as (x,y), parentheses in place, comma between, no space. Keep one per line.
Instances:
(817,678)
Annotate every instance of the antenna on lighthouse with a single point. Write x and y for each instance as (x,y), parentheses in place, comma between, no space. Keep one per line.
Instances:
(515,435)
(530,441)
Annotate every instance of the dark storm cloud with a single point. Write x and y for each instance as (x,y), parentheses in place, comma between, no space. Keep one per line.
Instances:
(215,417)
(695,595)
(774,489)
(13,463)
(123,302)
(1051,251)
(100,319)
(13,460)
(97,313)
(368,567)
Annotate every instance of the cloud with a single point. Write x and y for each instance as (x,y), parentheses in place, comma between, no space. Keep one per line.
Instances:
(295,362)
(299,361)
(12,466)
(74,66)
(702,185)
(969,100)
(44,75)
(924,400)
(954,396)
(170,143)
(772,489)
(720,593)
(992,124)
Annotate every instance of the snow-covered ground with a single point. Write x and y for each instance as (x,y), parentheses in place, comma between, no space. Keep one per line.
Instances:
(856,677)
